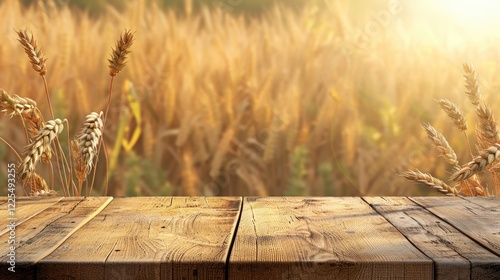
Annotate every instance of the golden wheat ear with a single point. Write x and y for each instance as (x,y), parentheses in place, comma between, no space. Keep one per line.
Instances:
(33,51)
(471,84)
(487,133)
(41,143)
(14,105)
(430,181)
(441,144)
(479,163)
(85,146)
(119,55)
(454,113)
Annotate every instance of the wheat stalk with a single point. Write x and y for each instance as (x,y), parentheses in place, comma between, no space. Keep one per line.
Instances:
(454,113)
(487,133)
(34,53)
(41,143)
(472,84)
(85,146)
(478,164)
(430,181)
(441,144)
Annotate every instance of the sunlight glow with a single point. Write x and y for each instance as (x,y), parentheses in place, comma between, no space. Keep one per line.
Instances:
(471,12)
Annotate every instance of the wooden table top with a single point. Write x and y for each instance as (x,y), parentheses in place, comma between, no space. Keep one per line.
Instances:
(251,238)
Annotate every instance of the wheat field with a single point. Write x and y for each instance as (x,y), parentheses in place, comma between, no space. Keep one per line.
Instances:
(309,102)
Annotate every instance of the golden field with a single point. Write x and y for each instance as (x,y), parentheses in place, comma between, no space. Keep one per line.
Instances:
(328,100)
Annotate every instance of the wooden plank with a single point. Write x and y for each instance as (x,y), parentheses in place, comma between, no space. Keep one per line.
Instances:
(321,238)
(455,255)
(150,238)
(26,208)
(40,235)
(479,218)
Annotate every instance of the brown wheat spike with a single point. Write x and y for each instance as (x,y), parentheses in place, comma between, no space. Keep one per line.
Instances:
(119,55)
(13,105)
(38,186)
(454,113)
(85,147)
(33,121)
(487,133)
(34,53)
(41,143)
(472,187)
(471,84)
(478,164)
(441,144)
(427,179)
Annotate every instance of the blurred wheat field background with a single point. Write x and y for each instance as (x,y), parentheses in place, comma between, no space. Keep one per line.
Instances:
(323,100)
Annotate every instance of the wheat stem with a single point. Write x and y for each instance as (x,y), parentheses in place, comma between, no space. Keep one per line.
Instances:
(11,148)
(468,144)
(47,96)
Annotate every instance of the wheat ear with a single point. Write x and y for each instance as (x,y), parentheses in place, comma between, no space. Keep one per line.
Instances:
(487,133)
(479,163)
(38,186)
(430,181)
(441,144)
(119,55)
(41,143)
(85,146)
(454,113)
(14,105)
(34,53)
(471,84)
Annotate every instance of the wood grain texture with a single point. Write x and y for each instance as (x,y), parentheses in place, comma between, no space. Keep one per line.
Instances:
(26,208)
(150,238)
(321,238)
(455,255)
(40,235)
(476,217)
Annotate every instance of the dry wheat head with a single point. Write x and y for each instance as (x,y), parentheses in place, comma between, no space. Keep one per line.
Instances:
(427,179)
(119,55)
(454,113)
(34,53)
(85,146)
(441,144)
(471,84)
(478,164)
(14,105)
(487,133)
(41,143)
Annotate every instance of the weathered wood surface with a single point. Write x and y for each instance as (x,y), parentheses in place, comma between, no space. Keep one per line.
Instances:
(150,238)
(38,236)
(456,256)
(478,218)
(25,209)
(254,238)
(321,238)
